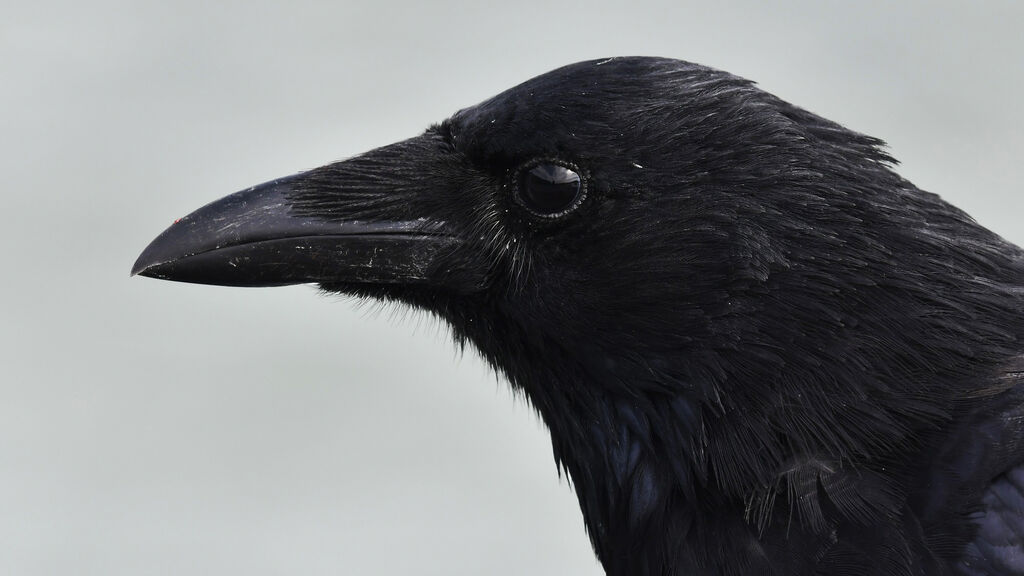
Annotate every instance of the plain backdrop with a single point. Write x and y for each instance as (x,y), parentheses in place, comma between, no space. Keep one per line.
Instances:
(158,428)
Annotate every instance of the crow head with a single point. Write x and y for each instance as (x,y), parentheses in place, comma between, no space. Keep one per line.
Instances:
(718,302)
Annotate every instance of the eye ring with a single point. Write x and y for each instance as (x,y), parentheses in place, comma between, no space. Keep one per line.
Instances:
(549,188)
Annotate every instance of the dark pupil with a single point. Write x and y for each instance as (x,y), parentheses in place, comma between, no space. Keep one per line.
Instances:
(549,189)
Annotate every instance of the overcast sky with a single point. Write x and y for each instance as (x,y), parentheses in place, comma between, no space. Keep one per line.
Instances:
(157,428)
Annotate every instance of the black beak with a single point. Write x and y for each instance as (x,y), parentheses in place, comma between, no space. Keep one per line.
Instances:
(268,235)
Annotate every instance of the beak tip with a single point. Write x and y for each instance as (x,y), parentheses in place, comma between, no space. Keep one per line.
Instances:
(158,270)
(144,262)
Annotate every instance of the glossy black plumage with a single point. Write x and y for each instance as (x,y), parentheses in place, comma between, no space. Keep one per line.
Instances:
(758,349)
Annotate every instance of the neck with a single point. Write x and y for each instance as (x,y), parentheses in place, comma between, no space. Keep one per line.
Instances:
(771,458)
(638,462)
(646,505)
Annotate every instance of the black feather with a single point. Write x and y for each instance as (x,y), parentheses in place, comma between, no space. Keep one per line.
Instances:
(758,349)
(754,341)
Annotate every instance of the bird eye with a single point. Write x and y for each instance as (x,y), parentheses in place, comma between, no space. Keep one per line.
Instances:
(549,190)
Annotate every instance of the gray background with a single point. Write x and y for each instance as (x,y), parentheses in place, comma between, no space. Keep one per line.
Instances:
(158,428)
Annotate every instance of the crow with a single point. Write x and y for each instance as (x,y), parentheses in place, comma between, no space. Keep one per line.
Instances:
(757,348)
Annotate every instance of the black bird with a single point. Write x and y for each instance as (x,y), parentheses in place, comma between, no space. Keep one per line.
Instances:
(757,348)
